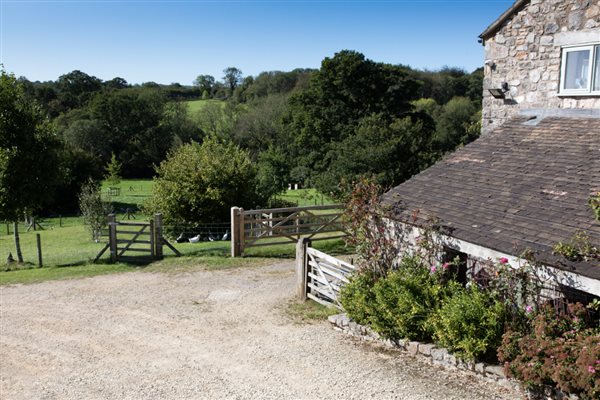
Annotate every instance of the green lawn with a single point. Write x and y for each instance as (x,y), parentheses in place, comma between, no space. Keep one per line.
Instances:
(68,250)
(306,197)
(195,106)
(133,193)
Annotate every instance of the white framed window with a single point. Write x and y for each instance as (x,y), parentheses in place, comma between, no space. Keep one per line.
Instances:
(580,71)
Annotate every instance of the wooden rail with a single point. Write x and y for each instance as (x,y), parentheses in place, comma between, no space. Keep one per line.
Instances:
(320,276)
(275,226)
(152,243)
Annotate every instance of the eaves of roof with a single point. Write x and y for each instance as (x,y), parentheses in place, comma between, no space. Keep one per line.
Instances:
(497,24)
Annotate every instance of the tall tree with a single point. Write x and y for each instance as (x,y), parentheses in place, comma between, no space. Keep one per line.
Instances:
(347,89)
(232,78)
(29,155)
(76,88)
(205,83)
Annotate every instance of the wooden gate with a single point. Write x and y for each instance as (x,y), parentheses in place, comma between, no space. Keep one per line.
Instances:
(320,276)
(131,241)
(136,241)
(252,228)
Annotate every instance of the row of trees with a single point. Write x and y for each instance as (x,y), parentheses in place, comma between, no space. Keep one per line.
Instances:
(323,128)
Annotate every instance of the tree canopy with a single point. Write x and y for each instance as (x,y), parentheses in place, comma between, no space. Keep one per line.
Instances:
(198,183)
(30,165)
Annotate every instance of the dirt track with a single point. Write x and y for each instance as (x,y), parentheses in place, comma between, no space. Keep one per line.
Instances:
(219,334)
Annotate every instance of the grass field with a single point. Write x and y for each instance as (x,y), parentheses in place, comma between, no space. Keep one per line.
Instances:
(194,106)
(68,250)
(305,197)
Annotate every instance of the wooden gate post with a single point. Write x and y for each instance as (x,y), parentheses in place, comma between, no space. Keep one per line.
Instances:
(39,249)
(237,231)
(112,237)
(158,236)
(302,268)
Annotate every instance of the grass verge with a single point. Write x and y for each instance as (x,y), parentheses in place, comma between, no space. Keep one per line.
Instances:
(171,265)
(308,312)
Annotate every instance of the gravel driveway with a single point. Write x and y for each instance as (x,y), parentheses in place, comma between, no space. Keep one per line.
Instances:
(205,334)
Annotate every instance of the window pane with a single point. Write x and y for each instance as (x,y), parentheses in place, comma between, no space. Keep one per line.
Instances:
(578,64)
(597,68)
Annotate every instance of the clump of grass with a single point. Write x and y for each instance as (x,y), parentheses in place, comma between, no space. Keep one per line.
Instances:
(308,312)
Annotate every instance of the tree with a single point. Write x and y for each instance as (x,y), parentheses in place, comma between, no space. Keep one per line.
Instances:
(453,124)
(30,165)
(116,83)
(347,89)
(177,121)
(260,126)
(273,172)
(113,171)
(388,153)
(198,183)
(428,106)
(91,136)
(232,78)
(205,83)
(76,88)
(93,209)
(132,118)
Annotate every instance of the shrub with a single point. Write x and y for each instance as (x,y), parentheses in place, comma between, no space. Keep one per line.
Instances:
(93,209)
(199,183)
(470,324)
(560,350)
(405,300)
(357,297)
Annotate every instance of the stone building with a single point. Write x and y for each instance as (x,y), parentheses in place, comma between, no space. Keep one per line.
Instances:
(544,54)
(525,185)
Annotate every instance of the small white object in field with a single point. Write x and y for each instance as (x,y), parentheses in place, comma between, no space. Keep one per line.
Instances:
(195,239)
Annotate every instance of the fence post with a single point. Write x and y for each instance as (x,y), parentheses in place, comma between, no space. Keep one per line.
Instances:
(237,231)
(158,238)
(302,268)
(152,240)
(112,237)
(39,249)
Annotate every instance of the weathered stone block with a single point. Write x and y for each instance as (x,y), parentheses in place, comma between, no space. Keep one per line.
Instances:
(450,359)
(438,354)
(496,370)
(426,348)
(412,348)
(480,368)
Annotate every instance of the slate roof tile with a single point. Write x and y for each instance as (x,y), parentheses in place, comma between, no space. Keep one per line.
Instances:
(516,188)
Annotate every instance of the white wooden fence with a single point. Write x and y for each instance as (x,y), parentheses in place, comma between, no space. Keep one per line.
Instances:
(319,275)
(268,227)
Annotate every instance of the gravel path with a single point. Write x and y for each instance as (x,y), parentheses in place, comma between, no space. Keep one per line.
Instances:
(219,334)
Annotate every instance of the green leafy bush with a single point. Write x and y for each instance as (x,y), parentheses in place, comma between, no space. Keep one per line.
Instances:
(404,301)
(198,183)
(560,350)
(357,297)
(470,324)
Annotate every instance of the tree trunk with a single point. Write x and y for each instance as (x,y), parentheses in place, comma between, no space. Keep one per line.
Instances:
(18,243)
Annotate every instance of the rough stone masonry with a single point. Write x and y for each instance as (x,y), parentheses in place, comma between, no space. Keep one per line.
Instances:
(526,53)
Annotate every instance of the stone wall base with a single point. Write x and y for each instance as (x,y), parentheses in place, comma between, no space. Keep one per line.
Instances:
(429,353)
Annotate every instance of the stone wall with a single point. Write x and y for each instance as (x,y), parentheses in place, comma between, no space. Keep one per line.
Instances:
(526,53)
(428,352)
(441,357)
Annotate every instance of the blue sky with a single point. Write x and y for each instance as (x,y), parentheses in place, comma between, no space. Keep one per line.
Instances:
(174,41)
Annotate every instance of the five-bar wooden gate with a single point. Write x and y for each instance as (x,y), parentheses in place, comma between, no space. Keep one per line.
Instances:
(136,241)
(251,228)
(320,276)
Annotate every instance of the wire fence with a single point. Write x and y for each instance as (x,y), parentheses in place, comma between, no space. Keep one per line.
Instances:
(63,242)
(67,241)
